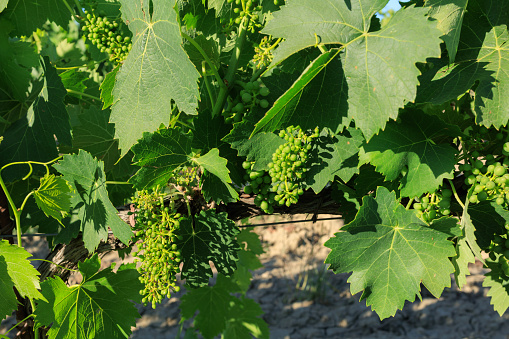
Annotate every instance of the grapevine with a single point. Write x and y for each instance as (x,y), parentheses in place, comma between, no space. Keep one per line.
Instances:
(218,110)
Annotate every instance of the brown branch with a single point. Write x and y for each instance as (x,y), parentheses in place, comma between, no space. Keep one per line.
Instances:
(309,203)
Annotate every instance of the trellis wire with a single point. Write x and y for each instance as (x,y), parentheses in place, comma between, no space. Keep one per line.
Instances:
(240,226)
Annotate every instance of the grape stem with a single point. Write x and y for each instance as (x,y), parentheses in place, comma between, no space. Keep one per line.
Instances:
(232,68)
(70,91)
(409,203)
(207,59)
(207,84)
(456,194)
(51,262)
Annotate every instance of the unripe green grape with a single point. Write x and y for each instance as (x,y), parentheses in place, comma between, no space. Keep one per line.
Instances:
(482,196)
(264,103)
(264,91)
(246,97)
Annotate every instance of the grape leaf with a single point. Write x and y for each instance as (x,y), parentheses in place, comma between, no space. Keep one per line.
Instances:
(214,164)
(305,23)
(492,97)
(3,4)
(498,285)
(158,154)
(481,57)
(390,251)
(98,307)
(33,138)
(107,87)
(488,219)
(334,156)
(217,190)
(244,320)
(75,80)
(207,237)
(95,135)
(464,256)
(469,230)
(53,196)
(449,16)
(259,148)
(156,72)
(411,143)
(29,15)
(20,272)
(93,208)
(316,98)
(8,300)
(374,62)
(219,178)
(212,304)
(16,61)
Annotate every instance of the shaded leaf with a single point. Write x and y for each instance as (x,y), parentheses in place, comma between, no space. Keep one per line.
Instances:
(410,143)
(207,237)
(334,156)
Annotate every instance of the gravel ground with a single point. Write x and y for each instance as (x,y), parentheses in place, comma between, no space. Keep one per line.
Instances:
(302,299)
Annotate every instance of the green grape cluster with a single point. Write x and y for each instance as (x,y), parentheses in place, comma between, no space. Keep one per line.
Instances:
(247,8)
(289,164)
(433,206)
(259,183)
(263,52)
(488,177)
(157,252)
(251,95)
(111,37)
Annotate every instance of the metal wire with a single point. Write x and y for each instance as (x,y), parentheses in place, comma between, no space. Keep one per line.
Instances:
(240,226)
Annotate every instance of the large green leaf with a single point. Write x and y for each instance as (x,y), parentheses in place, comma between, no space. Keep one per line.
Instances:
(92,206)
(334,156)
(156,72)
(29,15)
(411,143)
(99,307)
(390,252)
(19,273)
(53,196)
(33,137)
(207,237)
(375,63)
(245,321)
(158,154)
(449,15)
(304,23)
(317,98)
